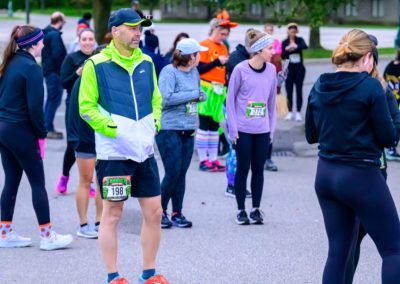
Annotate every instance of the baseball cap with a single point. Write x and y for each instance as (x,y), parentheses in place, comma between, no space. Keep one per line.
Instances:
(128,17)
(189,46)
(375,53)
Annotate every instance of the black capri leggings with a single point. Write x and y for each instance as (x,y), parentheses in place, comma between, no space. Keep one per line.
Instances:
(347,194)
(20,152)
(251,149)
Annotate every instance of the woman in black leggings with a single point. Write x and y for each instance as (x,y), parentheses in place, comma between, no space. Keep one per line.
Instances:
(21,136)
(347,114)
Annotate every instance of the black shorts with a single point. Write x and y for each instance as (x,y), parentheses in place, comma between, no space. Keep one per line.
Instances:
(145,180)
(83,147)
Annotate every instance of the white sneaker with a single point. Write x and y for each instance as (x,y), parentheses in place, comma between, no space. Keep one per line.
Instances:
(56,241)
(12,240)
(298,116)
(87,232)
(289,116)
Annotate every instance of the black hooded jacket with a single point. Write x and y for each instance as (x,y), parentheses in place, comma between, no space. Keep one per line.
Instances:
(53,52)
(348,115)
(239,55)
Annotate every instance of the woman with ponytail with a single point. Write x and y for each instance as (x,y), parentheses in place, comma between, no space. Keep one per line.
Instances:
(348,115)
(22,134)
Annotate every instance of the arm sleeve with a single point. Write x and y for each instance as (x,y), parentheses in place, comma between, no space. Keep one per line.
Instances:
(156,102)
(167,84)
(233,89)
(301,44)
(68,74)
(285,54)
(35,97)
(381,121)
(88,103)
(311,129)
(272,107)
(205,67)
(58,51)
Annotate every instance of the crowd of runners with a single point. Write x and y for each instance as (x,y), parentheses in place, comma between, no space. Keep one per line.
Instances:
(124,97)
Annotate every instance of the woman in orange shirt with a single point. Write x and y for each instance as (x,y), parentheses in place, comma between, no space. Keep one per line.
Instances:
(213,82)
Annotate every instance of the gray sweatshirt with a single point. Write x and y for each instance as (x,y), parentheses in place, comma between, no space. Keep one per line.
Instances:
(180,92)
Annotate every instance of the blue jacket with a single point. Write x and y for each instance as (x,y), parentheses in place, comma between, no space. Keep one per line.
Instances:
(159,61)
(22,94)
(348,115)
(53,52)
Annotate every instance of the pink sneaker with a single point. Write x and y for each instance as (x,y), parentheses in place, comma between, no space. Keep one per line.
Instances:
(92,191)
(217,164)
(62,185)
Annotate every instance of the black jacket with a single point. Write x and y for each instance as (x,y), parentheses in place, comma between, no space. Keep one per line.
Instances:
(239,55)
(53,52)
(301,45)
(22,94)
(68,69)
(78,131)
(348,115)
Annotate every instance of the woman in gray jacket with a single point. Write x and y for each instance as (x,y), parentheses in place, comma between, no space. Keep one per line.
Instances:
(179,84)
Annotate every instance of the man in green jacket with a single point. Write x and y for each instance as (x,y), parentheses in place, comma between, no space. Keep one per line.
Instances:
(120,100)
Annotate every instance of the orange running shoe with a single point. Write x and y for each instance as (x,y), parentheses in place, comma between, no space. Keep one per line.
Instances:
(157,279)
(119,280)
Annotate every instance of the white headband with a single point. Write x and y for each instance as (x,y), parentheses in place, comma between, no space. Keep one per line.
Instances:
(262,43)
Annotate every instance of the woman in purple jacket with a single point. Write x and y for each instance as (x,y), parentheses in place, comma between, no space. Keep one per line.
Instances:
(251,107)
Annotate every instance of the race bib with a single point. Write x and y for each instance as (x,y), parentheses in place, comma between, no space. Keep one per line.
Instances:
(218,88)
(191,108)
(117,188)
(295,58)
(256,110)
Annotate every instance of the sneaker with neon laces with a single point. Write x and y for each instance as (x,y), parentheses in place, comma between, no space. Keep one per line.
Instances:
(87,232)
(55,241)
(165,222)
(180,221)
(256,216)
(13,240)
(218,166)
(117,280)
(92,191)
(62,184)
(156,279)
(207,166)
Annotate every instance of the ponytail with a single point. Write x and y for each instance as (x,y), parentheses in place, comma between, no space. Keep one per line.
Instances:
(10,49)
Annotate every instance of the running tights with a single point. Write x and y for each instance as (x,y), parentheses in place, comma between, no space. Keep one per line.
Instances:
(20,153)
(349,195)
(69,159)
(296,76)
(251,151)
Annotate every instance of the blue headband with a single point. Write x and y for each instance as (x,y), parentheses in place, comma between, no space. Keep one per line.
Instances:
(262,43)
(30,39)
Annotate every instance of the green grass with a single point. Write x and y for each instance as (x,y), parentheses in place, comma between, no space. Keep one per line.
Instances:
(325,53)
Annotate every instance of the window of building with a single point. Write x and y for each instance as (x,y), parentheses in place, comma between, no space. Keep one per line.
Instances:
(377,8)
(255,9)
(191,9)
(351,9)
(170,6)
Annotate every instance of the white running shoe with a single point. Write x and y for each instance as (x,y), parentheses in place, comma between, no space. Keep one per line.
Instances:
(298,116)
(87,232)
(289,116)
(12,240)
(56,241)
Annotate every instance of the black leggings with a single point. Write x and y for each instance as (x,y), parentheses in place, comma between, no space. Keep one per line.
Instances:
(251,149)
(347,194)
(20,153)
(69,159)
(296,75)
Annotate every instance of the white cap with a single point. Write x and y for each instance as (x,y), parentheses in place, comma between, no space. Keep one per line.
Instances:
(189,46)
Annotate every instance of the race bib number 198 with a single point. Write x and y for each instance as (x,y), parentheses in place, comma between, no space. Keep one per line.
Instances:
(117,188)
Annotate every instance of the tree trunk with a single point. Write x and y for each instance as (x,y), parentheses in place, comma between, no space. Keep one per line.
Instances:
(42,4)
(315,38)
(101,13)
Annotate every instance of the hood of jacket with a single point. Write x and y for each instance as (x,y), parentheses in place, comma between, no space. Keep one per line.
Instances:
(332,87)
(126,62)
